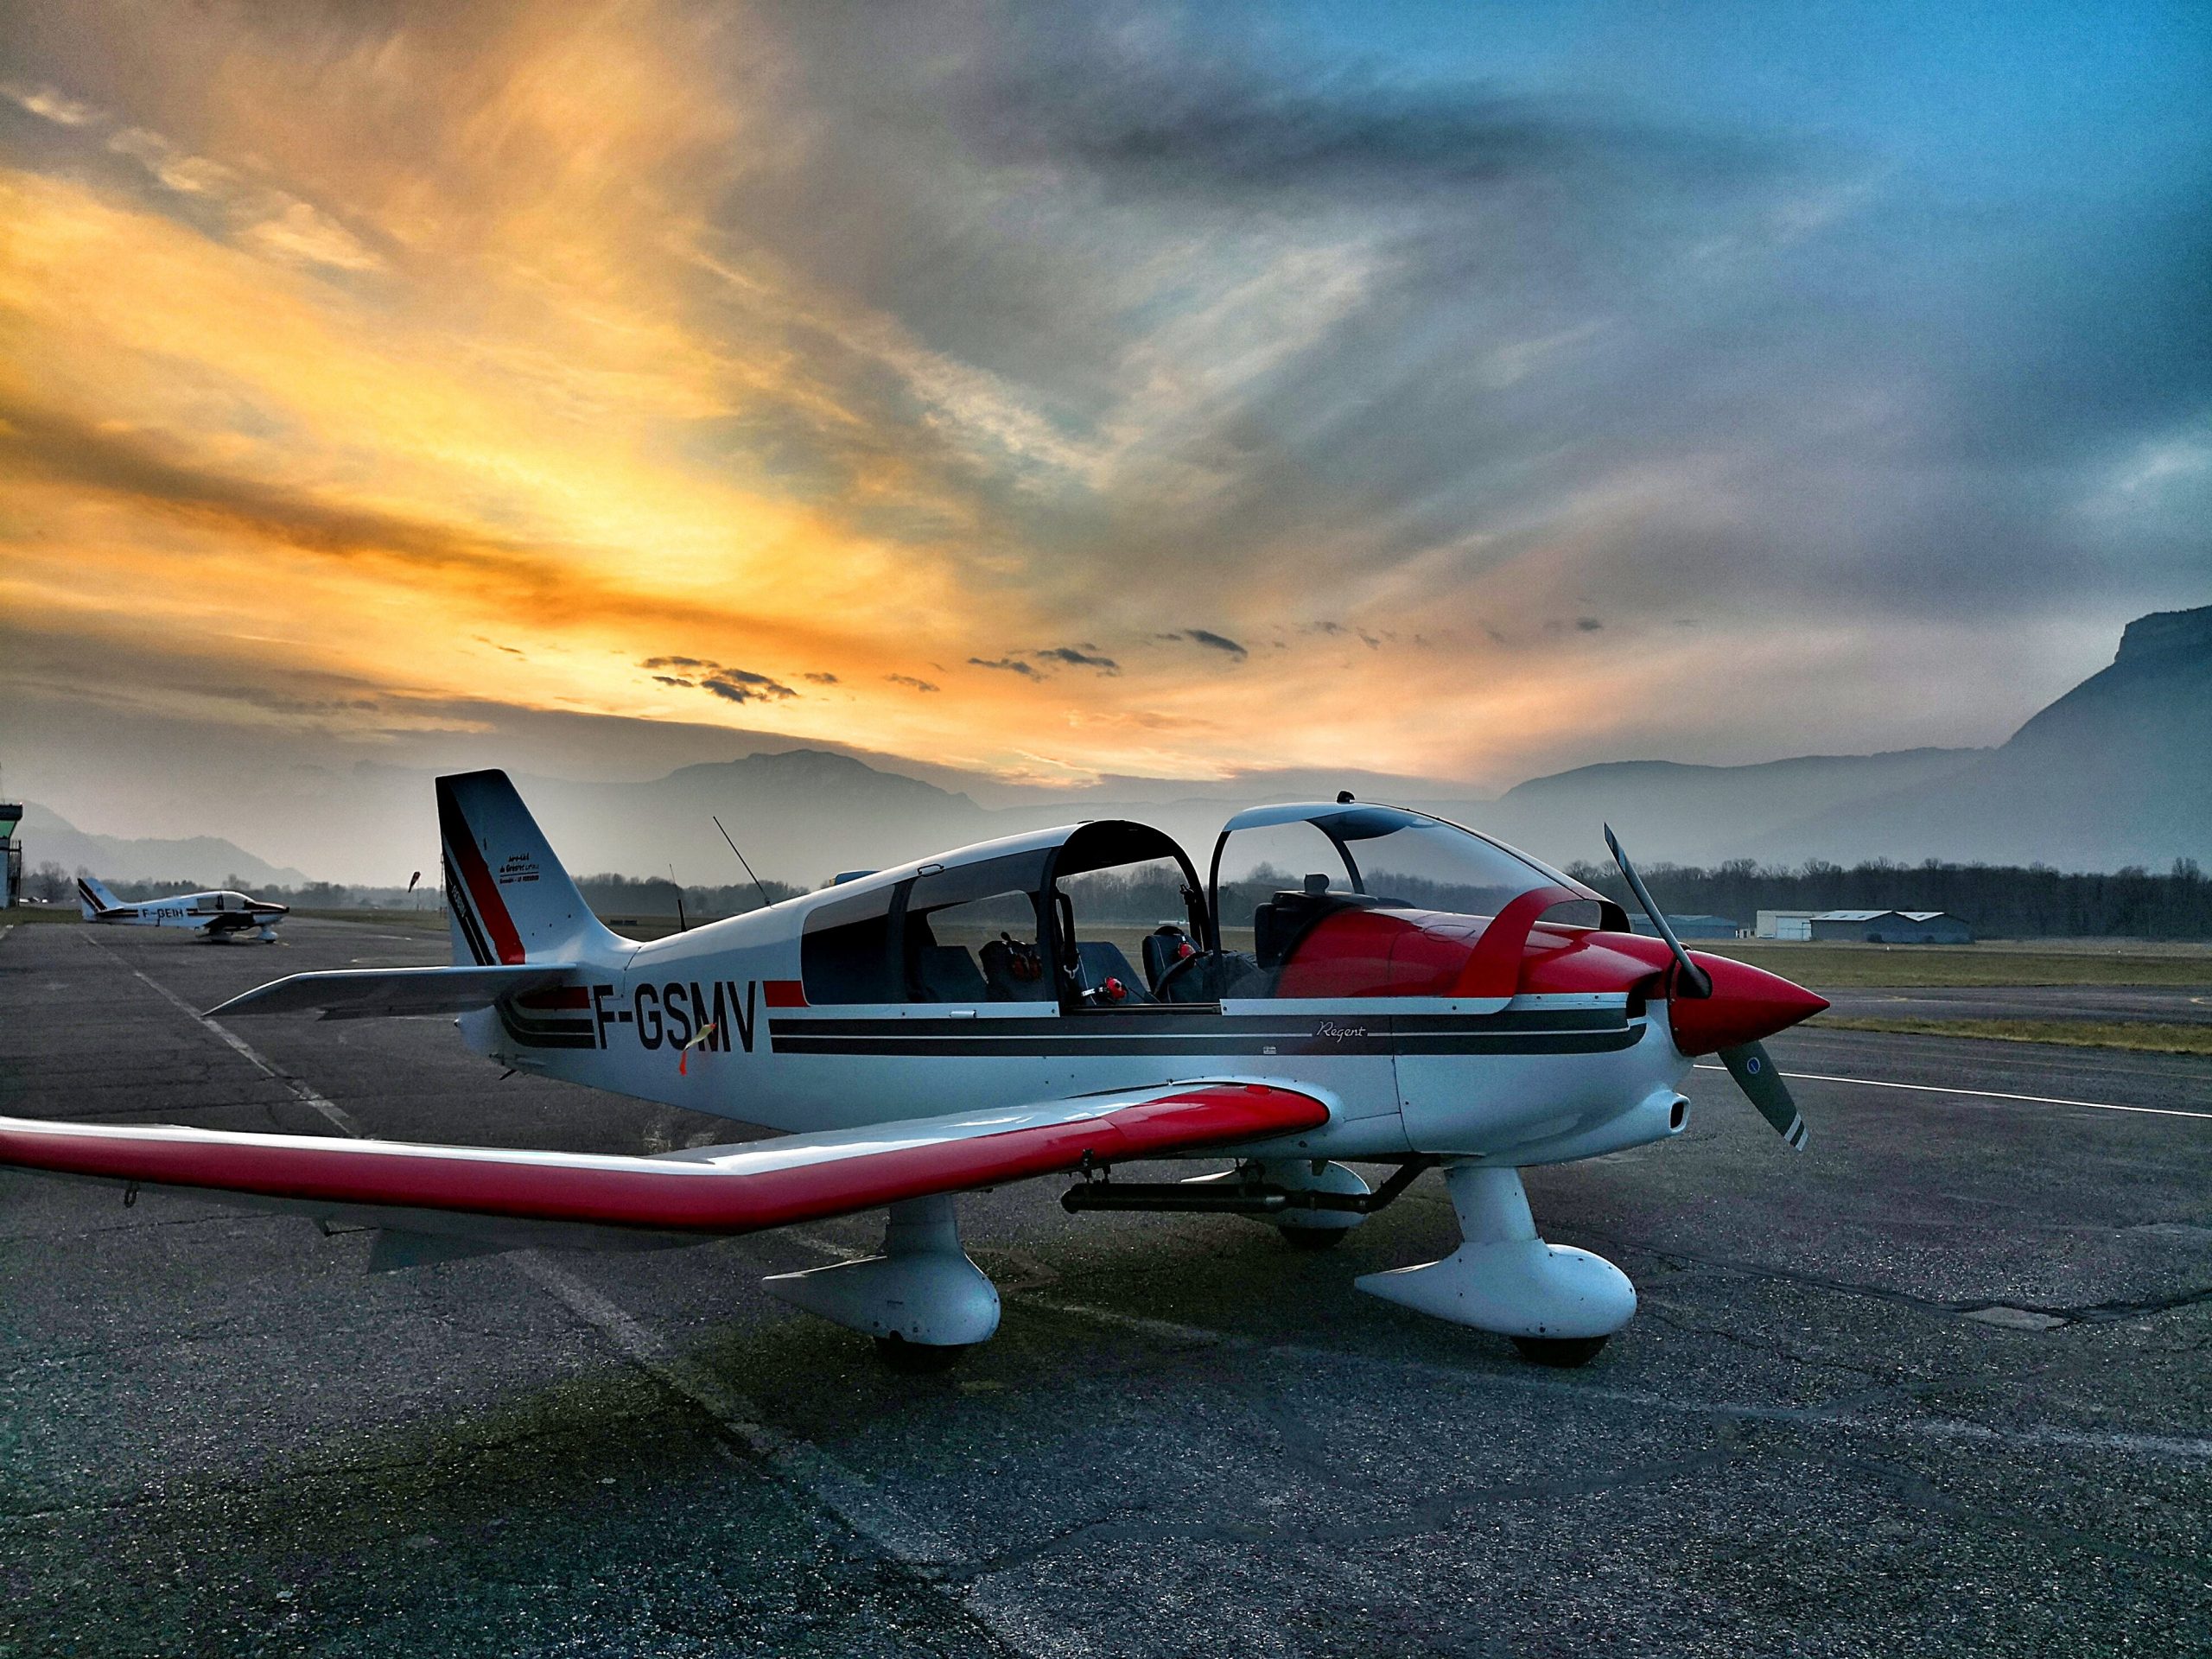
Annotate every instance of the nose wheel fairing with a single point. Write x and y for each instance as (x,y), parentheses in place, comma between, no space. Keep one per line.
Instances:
(1505,1279)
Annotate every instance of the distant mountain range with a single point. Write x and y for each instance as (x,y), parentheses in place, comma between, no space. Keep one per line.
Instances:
(193,861)
(2117,772)
(1705,814)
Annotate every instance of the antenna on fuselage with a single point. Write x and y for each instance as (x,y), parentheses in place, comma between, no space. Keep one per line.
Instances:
(682,926)
(757,882)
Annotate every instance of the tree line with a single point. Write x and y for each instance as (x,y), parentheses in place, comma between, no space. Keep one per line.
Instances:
(50,884)
(609,894)
(1996,900)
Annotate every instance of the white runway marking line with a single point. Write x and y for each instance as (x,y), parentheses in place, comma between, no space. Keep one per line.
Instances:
(828,1483)
(300,1091)
(2156,1446)
(1980,1094)
(836,1487)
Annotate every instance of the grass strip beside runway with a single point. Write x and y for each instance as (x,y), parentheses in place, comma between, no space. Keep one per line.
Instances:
(1852,967)
(2143,1036)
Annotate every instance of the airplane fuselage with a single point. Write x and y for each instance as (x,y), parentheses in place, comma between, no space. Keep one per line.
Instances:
(216,914)
(717,1020)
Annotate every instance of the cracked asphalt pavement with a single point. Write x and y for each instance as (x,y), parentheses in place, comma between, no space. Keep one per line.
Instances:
(1939,1385)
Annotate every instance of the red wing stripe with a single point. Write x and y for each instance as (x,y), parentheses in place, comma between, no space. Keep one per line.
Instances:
(667,1196)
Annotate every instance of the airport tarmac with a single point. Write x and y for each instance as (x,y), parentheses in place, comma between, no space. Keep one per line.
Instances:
(1938,1385)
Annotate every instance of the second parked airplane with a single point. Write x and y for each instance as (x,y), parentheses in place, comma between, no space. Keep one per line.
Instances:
(217,915)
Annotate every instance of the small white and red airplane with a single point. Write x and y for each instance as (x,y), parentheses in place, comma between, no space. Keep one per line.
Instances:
(969,1020)
(215,915)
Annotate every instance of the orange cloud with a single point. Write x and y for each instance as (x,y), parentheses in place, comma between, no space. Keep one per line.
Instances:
(445,342)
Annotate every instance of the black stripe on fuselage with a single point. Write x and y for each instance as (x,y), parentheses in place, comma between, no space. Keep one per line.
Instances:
(1566,1031)
(545,1033)
(1066,1047)
(1144,1022)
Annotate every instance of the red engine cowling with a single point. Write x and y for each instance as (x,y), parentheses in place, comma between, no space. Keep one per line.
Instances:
(1357,953)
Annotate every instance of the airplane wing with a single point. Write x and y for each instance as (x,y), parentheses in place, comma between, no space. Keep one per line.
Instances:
(507,1200)
(355,994)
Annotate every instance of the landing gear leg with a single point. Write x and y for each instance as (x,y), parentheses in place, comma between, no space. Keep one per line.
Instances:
(1559,1304)
(1315,1230)
(922,1300)
(1302,1229)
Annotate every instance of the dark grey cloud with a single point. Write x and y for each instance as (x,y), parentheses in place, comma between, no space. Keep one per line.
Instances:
(1074,657)
(731,684)
(910,683)
(1007,665)
(1209,639)
(1219,126)
(821,679)
(735,685)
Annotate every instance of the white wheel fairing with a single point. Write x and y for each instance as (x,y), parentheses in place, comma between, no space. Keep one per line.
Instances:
(1504,1278)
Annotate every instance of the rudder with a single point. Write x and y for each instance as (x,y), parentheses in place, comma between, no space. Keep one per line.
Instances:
(92,898)
(508,898)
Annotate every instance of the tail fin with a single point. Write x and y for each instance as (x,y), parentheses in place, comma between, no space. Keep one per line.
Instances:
(92,898)
(507,897)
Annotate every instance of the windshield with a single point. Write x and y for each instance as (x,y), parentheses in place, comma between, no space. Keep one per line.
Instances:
(1364,900)
(1393,857)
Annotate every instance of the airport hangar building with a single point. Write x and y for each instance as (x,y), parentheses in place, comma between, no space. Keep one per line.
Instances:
(1865,926)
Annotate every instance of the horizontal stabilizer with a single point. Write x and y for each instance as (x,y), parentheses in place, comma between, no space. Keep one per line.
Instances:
(361,993)
(509,1197)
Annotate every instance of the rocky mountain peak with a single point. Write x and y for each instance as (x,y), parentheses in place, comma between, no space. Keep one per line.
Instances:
(2167,633)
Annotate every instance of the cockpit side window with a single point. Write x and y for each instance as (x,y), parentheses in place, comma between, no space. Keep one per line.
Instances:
(1109,921)
(973,933)
(847,953)
(1122,894)
(1282,874)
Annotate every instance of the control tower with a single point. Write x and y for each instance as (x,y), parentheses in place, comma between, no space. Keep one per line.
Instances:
(11,855)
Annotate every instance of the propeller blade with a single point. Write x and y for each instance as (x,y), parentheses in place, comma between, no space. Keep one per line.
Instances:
(1693,979)
(1755,1074)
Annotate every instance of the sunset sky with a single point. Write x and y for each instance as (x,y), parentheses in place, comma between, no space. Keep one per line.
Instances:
(1460,391)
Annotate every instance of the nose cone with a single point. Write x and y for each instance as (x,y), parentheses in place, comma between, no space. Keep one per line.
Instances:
(1746,1004)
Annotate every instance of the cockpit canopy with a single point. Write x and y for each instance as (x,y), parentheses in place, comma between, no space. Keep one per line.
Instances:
(1312,900)
(1352,899)
(1053,916)
(226,901)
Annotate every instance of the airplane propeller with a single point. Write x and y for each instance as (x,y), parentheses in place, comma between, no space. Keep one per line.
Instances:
(1755,1074)
(1690,978)
(1748,1063)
